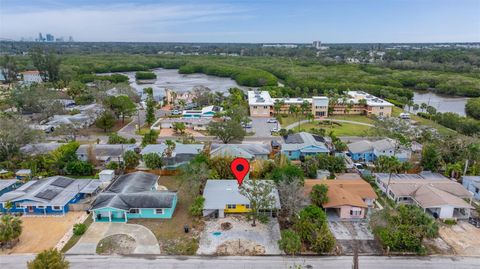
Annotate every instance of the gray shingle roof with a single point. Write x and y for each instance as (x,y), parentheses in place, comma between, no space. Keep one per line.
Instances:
(107,150)
(126,201)
(133,182)
(247,151)
(134,190)
(302,140)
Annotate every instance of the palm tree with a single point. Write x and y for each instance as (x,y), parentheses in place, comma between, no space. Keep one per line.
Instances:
(304,107)
(10,229)
(8,206)
(277,106)
(423,106)
(170,148)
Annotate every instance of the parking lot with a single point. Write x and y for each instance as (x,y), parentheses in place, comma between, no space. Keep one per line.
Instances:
(261,127)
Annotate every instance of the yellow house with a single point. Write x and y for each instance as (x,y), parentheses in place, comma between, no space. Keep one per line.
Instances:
(222,196)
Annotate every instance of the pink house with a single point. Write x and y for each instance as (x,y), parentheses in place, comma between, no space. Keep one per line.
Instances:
(349,196)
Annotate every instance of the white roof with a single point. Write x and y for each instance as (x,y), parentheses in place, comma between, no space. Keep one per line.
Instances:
(371,100)
(294,100)
(220,192)
(261,98)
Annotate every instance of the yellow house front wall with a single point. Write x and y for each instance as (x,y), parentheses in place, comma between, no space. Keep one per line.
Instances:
(385,111)
(260,111)
(238,209)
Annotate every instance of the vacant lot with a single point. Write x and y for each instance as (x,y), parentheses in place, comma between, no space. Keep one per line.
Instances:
(240,238)
(40,233)
(464,238)
(169,232)
(354,234)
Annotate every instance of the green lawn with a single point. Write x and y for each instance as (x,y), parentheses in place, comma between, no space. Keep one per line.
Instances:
(340,129)
(357,118)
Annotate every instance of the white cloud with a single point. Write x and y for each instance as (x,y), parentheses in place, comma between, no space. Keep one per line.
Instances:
(121,22)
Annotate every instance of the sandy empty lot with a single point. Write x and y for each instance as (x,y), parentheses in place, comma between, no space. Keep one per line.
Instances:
(463,238)
(169,132)
(40,233)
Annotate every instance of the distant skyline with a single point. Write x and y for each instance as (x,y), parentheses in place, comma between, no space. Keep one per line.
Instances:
(249,21)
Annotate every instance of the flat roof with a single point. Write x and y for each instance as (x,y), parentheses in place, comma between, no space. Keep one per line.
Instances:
(260,98)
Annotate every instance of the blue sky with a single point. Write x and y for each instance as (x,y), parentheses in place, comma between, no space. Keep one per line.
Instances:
(331,21)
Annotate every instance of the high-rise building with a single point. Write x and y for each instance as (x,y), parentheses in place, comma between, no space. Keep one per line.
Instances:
(317,44)
(40,37)
(70,39)
(50,38)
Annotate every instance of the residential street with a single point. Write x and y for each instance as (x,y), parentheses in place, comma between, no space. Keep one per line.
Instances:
(179,262)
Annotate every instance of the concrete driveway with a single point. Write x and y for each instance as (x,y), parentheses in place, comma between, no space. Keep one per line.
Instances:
(351,235)
(145,240)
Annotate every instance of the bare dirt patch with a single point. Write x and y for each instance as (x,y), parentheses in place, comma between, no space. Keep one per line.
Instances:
(463,237)
(120,244)
(41,233)
(240,247)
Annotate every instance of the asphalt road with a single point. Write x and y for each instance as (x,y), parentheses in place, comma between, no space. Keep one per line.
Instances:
(236,262)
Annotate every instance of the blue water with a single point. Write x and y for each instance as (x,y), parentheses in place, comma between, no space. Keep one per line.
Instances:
(217,233)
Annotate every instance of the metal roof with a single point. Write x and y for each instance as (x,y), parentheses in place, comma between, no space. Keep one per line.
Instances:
(109,150)
(44,192)
(220,192)
(5,183)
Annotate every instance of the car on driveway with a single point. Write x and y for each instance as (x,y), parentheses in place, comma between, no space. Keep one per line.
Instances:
(274,130)
(271,121)
(176,112)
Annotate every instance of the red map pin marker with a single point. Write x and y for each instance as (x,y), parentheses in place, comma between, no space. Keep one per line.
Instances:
(240,168)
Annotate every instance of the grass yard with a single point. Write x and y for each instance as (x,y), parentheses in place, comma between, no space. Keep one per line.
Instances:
(169,232)
(425,122)
(339,129)
(357,118)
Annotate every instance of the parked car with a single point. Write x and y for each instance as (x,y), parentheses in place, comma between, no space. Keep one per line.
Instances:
(271,121)
(176,112)
(404,116)
(274,130)
(247,125)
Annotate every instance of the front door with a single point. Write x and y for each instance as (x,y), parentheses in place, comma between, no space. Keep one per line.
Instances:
(30,209)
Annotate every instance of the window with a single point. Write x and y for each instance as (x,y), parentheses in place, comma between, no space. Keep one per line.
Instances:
(381,107)
(477,190)
(230,206)
(56,207)
(18,205)
(159,211)
(265,107)
(255,107)
(134,211)
(40,206)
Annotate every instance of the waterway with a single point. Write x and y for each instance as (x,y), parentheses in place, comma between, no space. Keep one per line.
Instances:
(171,79)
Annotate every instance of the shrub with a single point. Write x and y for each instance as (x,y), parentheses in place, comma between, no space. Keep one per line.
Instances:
(79,168)
(153,160)
(79,229)
(290,242)
(318,196)
(131,159)
(196,208)
(51,259)
(114,138)
(145,75)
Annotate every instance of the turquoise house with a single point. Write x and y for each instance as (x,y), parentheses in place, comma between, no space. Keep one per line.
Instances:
(298,146)
(134,196)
